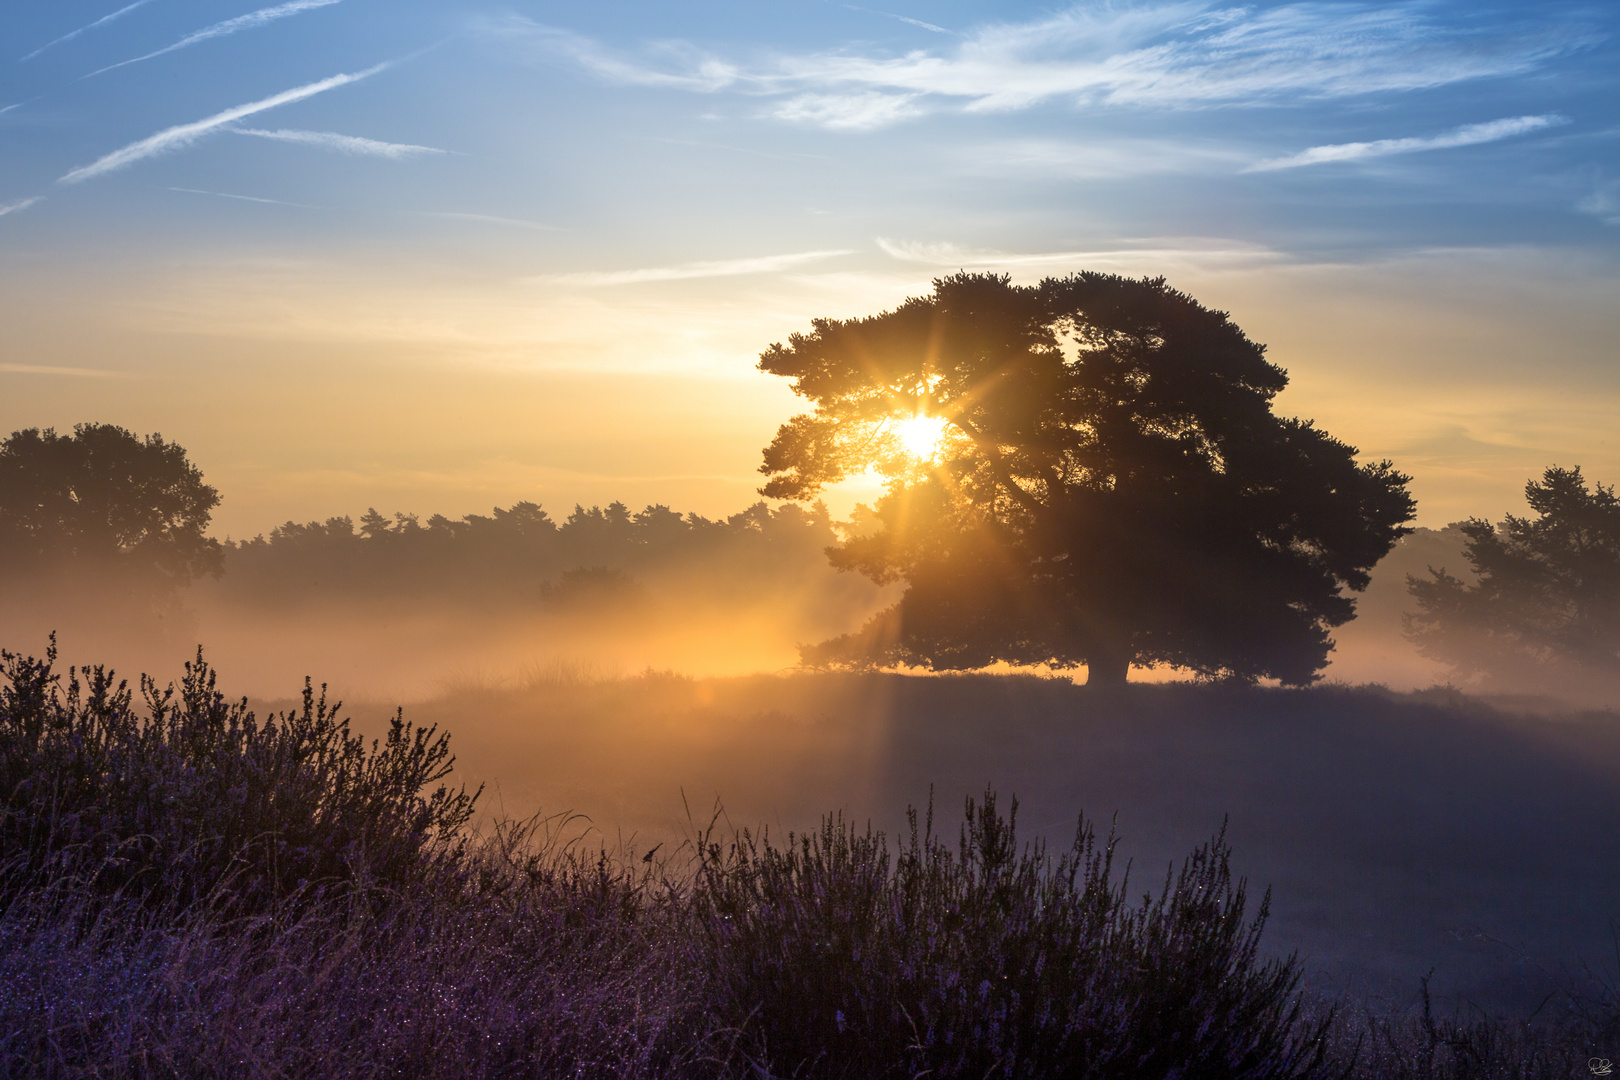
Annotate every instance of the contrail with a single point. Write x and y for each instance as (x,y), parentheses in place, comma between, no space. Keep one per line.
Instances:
(21,204)
(243,198)
(185,134)
(251,21)
(104,20)
(346,144)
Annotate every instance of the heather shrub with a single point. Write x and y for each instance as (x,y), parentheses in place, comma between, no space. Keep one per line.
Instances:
(184,797)
(834,960)
(539,963)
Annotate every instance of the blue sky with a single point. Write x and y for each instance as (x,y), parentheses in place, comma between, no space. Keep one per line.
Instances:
(228,221)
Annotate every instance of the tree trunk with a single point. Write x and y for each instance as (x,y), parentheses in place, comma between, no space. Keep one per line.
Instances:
(1108,668)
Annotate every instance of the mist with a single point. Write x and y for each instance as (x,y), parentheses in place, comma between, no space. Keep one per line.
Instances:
(419,607)
(402,608)
(398,609)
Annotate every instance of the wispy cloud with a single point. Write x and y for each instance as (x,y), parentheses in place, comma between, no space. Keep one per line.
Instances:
(251,21)
(765,264)
(899,18)
(1158,253)
(1170,54)
(1467,135)
(849,112)
(186,134)
(346,144)
(1096,159)
(103,21)
(1603,203)
(20,204)
(241,198)
(691,69)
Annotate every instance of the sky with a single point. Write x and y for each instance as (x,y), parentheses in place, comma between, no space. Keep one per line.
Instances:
(437,257)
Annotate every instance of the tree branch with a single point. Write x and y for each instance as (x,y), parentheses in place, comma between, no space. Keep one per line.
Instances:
(998,465)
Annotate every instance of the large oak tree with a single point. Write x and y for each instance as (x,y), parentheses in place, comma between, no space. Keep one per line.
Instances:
(1087,471)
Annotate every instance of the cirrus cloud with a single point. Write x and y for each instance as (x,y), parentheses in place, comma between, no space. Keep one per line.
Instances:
(20,204)
(759,264)
(1467,135)
(185,134)
(1169,54)
(103,21)
(344,144)
(251,21)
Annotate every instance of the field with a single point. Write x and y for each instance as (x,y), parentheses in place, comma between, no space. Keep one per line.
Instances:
(1401,833)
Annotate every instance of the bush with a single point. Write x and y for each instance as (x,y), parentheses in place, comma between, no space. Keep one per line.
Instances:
(994,960)
(192,798)
(540,963)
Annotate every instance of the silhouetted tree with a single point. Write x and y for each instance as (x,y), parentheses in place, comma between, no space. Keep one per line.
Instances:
(1547,594)
(104,496)
(1109,484)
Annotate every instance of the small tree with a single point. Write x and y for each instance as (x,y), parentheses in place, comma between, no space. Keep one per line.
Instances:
(1546,602)
(103,495)
(1083,472)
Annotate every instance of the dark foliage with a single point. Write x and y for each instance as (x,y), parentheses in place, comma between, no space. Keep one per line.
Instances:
(532,961)
(1546,602)
(992,961)
(1111,486)
(188,798)
(105,497)
(521,557)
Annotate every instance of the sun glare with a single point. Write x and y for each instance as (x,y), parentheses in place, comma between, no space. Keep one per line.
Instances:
(920,435)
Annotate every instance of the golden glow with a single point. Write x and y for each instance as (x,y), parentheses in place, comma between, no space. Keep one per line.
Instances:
(920,435)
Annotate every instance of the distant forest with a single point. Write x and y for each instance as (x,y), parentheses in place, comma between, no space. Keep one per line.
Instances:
(596,558)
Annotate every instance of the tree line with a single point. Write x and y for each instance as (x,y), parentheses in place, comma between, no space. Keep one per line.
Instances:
(595,556)
(135,510)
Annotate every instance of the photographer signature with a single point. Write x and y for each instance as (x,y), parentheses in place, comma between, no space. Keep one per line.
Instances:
(1599,1066)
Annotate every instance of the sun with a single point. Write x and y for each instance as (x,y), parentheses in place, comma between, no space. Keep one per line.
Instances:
(921,434)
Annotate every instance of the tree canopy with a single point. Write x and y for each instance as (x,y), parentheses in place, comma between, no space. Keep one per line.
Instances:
(104,495)
(1546,600)
(1087,471)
